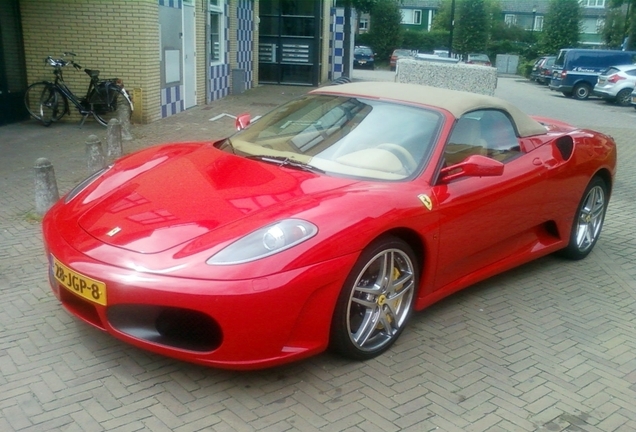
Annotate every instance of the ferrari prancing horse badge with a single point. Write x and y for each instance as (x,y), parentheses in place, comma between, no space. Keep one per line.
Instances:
(426,200)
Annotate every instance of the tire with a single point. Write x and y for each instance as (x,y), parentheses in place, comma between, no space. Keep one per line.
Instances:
(109,103)
(581,91)
(376,300)
(624,97)
(45,103)
(588,221)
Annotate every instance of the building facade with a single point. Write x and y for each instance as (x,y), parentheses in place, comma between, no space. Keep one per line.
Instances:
(418,14)
(171,54)
(529,15)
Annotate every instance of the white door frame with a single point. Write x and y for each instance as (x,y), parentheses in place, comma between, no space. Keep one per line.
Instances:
(189,54)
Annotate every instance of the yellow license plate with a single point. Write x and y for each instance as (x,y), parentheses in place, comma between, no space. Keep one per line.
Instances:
(83,286)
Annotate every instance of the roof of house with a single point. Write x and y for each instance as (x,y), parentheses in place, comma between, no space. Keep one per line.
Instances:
(424,4)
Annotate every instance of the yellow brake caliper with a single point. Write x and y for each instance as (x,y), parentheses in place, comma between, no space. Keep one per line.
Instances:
(382,299)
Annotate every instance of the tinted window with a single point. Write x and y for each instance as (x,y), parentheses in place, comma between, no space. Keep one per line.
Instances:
(560,60)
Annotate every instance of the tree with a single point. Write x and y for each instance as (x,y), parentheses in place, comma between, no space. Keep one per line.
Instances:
(385,32)
(441,20)
(561,26)
(630,21)
(472,27)
(613,29)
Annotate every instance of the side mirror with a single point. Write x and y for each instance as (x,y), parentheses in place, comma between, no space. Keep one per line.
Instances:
(473,166)
(242,121)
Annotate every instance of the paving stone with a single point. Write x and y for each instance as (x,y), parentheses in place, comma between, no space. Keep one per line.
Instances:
(547,346)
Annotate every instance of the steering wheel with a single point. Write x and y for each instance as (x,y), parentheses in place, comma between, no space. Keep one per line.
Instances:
(402,154)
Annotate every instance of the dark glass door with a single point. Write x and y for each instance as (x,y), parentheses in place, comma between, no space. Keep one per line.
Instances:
(12,66)
(289,42)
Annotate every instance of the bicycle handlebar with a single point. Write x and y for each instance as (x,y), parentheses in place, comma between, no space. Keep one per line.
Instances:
(61,62)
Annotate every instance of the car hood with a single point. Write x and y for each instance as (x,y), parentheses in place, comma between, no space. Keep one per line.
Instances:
(189,195)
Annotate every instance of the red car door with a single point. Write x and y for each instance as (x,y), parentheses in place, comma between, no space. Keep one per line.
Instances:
(484,220)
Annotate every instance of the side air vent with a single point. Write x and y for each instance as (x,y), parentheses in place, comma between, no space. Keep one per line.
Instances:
(565,145)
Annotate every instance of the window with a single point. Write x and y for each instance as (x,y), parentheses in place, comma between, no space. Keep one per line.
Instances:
(411,16)
(486,132)
(538,23)
(593,3)
(600,22)
(417,17)
(217,39)
(363,24)
(510,20)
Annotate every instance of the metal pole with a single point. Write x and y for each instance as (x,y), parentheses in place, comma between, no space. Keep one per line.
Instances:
(347,40)
(452,26)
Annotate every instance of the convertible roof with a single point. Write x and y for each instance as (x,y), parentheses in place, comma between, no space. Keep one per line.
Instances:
(456,102)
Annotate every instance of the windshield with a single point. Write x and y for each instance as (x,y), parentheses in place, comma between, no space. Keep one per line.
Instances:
(478,57)
(402,52)
(344,136)
(363,51)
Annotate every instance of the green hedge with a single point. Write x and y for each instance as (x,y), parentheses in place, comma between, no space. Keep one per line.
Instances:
(424,42)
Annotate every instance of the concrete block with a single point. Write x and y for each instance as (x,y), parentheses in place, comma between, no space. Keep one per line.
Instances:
(460,76)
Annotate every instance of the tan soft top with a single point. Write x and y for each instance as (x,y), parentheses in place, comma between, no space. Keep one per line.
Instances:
(456,102)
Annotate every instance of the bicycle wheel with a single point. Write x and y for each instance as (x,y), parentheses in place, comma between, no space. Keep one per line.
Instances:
(44,102)
(110,102)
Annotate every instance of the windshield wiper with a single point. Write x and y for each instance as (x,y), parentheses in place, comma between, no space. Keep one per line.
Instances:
(287,162)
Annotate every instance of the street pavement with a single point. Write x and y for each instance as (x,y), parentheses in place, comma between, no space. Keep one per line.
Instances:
(548,346)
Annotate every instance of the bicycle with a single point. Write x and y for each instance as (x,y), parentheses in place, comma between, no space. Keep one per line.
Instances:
(105,99)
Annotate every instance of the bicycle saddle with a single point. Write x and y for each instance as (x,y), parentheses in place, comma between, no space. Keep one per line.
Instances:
(93,73)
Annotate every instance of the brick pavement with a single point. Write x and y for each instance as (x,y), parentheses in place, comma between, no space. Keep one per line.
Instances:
(548,346)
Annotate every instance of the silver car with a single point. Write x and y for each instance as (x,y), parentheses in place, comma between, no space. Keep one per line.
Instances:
(616,84)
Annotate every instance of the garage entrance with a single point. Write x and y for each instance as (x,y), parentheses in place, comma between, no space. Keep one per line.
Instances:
(289,42)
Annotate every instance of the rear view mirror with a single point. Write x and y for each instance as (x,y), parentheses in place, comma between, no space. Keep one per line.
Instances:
(473,166)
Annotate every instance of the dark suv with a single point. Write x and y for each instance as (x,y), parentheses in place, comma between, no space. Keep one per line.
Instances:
(363,57)
(542,70)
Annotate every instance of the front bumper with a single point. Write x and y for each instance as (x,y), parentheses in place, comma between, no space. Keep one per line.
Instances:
(234,324)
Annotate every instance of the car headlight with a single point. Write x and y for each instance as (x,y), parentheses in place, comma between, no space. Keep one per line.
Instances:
(264,242)
(84,183)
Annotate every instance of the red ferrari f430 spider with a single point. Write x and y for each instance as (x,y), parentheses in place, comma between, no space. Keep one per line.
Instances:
(324,224)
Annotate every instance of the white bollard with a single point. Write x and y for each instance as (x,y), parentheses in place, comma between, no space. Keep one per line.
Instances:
(46,193)
(114,148)
(94,154)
